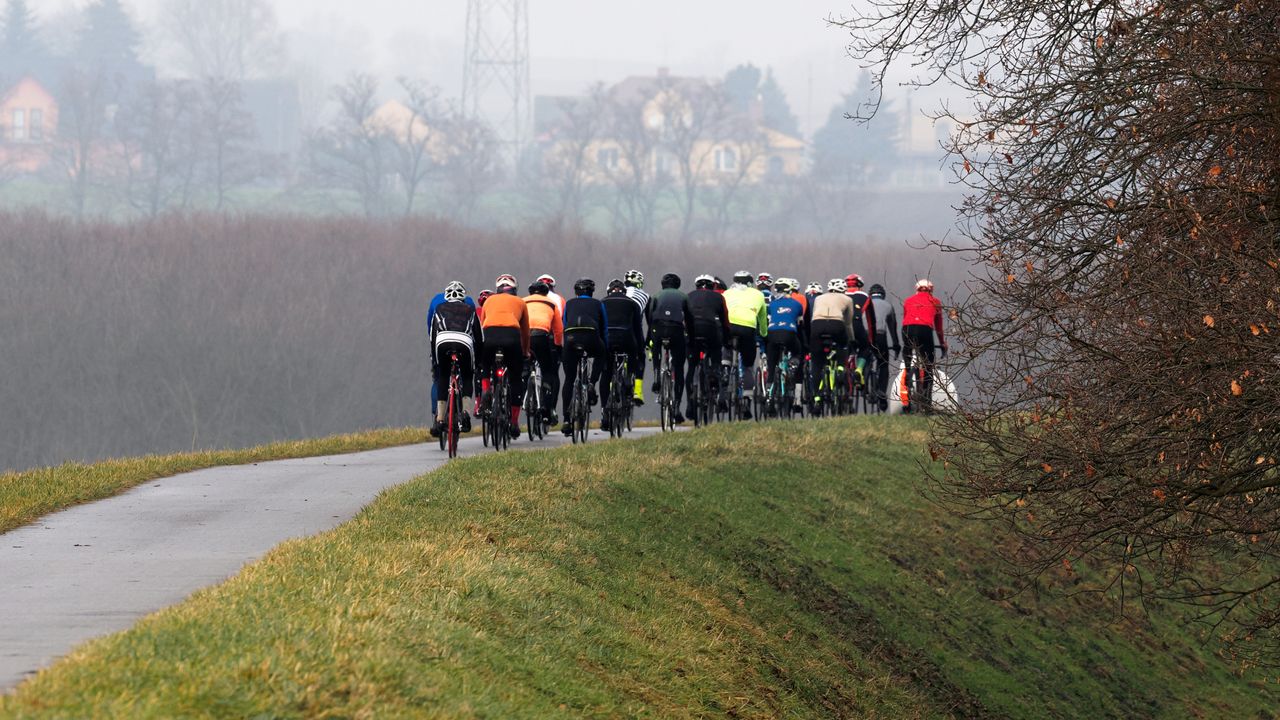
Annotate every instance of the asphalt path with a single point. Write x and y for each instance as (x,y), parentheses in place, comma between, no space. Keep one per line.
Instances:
(97,568)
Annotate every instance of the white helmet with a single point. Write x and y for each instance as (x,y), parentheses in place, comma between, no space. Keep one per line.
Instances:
(550,281)
(742,277)
(813,289)
(924,284)
(455,292)
(505,281)
(704,278)
(837,285)
(634,278)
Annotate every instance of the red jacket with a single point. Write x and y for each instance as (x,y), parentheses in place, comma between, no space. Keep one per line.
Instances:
(923,309)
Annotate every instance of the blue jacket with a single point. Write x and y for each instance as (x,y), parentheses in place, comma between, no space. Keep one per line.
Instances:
(785,314)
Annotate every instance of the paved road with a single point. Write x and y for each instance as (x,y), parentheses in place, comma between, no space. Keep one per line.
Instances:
(97,568)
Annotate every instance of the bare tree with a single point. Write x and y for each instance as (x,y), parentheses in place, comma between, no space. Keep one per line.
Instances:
(566,163)
(750,146)
(472,166)
(82,121)
(223,39)
(628,157)
(415,139)
(1124,334)
(228,128)
(349,152)
(691,118)
(160,145)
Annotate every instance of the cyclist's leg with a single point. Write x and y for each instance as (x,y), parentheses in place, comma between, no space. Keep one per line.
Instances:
(515,371)
(747,350)
(572,354)
(679,354)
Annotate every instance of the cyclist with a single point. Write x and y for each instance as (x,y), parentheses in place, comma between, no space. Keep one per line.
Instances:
(786,329)
(455,330)
(586,337)
(864,323)
(720,286)
(436,302)
(921,321)
(796,295)
(671,319)
(749,323)
(634,280)
(831,317)
(764,283)
(626,334)
(551,291)
(813,291)
(481,299)
(546,338)
(506,329)
(886,329)
(710,331)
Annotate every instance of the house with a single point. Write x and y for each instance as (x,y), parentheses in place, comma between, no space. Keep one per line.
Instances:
(660,123)
(28,124)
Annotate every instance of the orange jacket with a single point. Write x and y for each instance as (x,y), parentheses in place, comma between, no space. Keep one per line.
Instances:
(507,311)
(804,302)
(544,315)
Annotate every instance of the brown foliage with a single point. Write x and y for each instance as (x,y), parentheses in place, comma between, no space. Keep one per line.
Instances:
(1125,339)
(209,331)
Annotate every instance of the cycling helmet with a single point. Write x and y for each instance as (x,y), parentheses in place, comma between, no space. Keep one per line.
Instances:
(764,279)
(742,277)
(782,286)
(813,289)
(504,281)
(671,280)
(584,286)
(924,285)
(455,292)
(877,290)
(539,288)
(484,295)
(793,283)
(617,287)
(704,282)
(634,278)
(720,285)
(853,281)
(837,285)
(550,281)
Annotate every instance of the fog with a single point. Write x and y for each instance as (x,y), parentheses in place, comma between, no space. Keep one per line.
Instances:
(252,200)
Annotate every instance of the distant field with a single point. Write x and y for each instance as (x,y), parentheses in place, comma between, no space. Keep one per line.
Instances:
(775,570)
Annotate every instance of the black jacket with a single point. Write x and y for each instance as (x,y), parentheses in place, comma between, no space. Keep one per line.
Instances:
(624,317)
(709,308)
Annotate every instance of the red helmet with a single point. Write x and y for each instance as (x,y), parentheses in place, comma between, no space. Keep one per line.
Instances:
(484,295)
(853,281)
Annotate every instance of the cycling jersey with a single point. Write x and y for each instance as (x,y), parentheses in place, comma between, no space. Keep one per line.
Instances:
(709,311)
(624,319)
(640,297)
(832,306)
(558,300)
(544,316)
(804,302)
(747,308)
(455,322)
(886,321)
(670,306)
(785,314)
(865,315)
(507,311)
(923,309)
(585,314)
(436,302)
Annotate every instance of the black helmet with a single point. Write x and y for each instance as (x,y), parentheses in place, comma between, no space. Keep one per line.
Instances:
(877,290)
(584,286)
(539,288)
(617,287)
(720,284)
(671,280)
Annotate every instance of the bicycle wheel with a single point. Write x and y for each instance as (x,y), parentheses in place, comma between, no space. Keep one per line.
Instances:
(454,426)
(584,388)
(757,395)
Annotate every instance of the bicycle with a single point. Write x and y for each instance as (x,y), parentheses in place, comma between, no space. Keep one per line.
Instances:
(779,396)
(758,400)
(497,425)
(579,410)
(618,406)
(732,383)
(827,394)
(702,396)
(453,412)
(667,395)
(919,382)
(858,388)
(535,424)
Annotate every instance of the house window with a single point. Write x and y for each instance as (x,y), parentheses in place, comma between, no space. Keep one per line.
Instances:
(726,160)
(37,125)
(19,125)
(607,158)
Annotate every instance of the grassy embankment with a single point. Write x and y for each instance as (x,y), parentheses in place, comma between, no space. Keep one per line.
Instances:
(30,494)
(745,571)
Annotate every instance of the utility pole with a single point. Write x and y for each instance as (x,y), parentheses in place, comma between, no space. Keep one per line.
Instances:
(495,80)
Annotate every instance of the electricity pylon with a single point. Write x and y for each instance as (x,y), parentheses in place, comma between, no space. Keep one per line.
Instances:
(495,75)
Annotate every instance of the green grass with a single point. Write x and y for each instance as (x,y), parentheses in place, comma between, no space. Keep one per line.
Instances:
(745,571)
(30,494)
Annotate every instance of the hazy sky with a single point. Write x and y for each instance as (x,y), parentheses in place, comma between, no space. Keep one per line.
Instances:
(576,42)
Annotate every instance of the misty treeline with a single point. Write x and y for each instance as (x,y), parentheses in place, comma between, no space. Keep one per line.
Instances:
(209,331)
(201,109)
